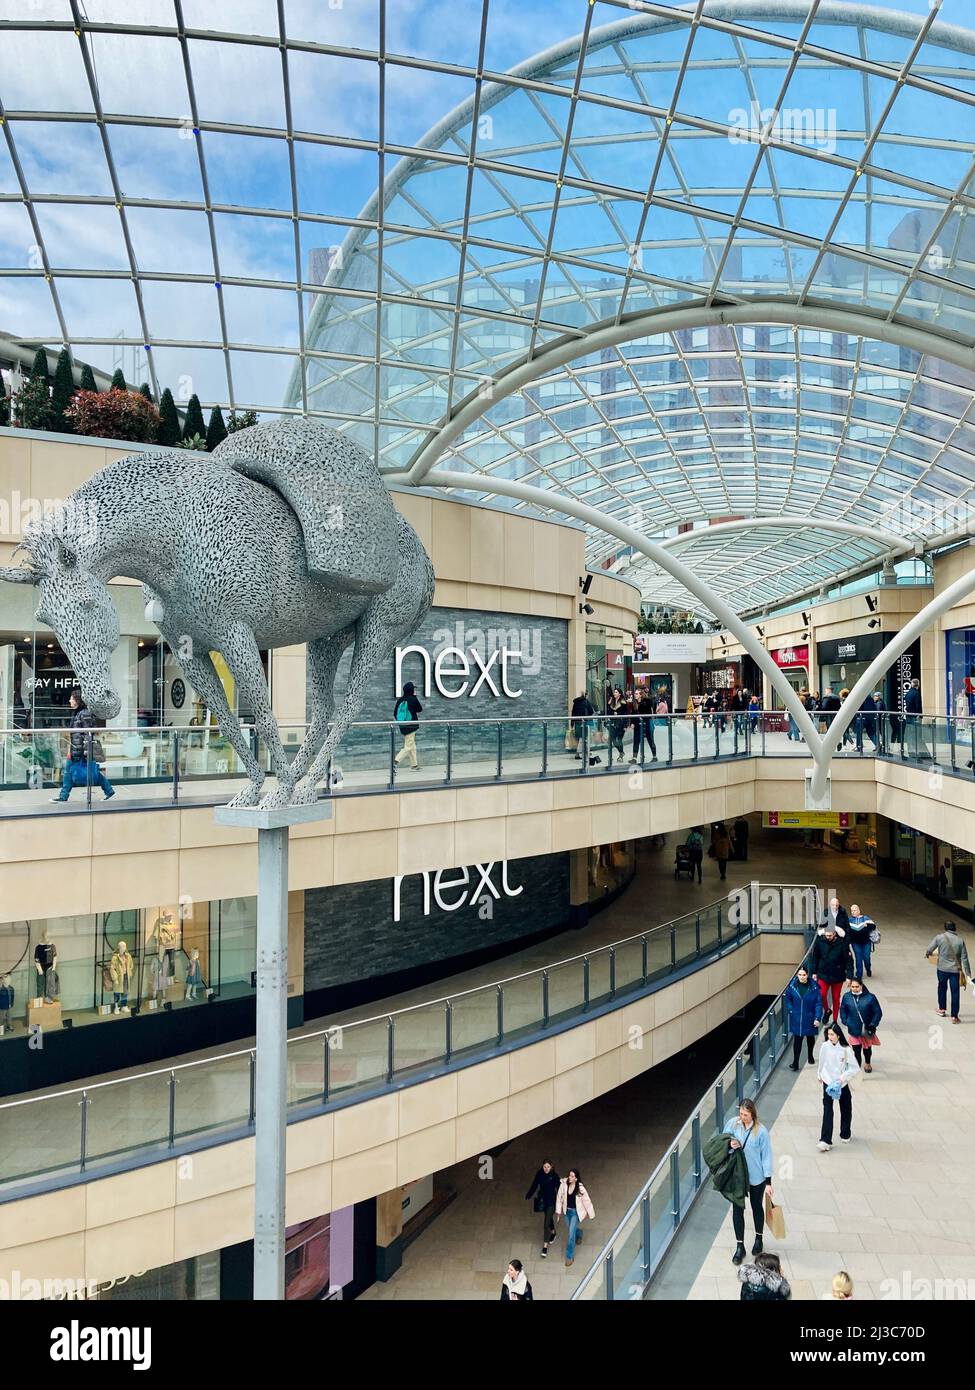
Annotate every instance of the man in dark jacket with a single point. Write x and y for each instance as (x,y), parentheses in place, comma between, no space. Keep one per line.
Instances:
(913,728)
(546,1184)
(741,838)
(828,706)
(831,963)
(78,765)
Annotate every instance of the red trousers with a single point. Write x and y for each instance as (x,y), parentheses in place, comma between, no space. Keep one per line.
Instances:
(837,990)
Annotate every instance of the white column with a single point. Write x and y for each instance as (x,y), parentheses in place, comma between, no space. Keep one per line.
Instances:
(125,678)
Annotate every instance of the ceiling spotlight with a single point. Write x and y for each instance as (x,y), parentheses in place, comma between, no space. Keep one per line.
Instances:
(871,603)
(805,637)
(724,639)
(874,622)
(585,584)
(759,630)
(805,619)
(586,608)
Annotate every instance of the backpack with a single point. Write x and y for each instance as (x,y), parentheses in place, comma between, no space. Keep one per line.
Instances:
(403,715)
(695,840)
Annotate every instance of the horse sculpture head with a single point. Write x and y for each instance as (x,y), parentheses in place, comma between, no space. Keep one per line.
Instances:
(76,604)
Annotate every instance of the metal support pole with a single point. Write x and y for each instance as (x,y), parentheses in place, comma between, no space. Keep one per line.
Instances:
(175,766)
(544,748)
(675,1186)
(500,750)
(270,1101)
(719,1105)
(450,750)
(84,1103)
(645,1217)
(544,998)
(272,1062)
(172,1108)
(697,1149)
(694,731)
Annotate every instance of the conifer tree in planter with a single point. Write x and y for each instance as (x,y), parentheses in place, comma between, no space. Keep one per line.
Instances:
(146,390)
(88,379)
(4,404)
(193,423)
(39,371)
(216,429)
(62,392)
(170,430)
(118,381)
(32,405)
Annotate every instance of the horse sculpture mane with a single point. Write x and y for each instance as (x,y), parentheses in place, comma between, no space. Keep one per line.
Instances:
(285,534)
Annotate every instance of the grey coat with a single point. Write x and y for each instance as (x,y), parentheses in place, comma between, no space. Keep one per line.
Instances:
(949,946)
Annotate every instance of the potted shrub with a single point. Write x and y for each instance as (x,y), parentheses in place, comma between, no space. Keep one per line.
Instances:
(114,414)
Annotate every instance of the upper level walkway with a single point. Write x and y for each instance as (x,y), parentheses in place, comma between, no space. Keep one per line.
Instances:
(888,1208)
(151,769)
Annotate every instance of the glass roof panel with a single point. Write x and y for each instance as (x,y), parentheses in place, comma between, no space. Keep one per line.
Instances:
(681,422)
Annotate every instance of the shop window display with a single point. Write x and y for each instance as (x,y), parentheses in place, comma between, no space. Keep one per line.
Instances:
(96,967)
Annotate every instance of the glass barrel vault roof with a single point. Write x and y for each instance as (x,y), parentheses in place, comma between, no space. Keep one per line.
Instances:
(373,212)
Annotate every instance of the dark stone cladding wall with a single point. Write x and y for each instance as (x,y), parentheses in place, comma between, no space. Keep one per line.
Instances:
(545,692)
(355,951)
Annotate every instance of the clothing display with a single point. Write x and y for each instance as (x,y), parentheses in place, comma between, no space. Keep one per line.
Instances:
(194,977)
(120,970)
(166,932)
(7,1000)
(45,954)
(52,986)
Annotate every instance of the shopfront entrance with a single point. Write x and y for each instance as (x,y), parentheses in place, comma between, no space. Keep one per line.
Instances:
(844,660)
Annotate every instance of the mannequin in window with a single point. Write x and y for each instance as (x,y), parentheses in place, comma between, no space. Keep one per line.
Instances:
(194,975)
(46,968)
(121,972)
(6,1001)
(166,934)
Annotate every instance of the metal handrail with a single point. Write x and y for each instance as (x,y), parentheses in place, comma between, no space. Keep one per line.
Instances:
(386,1015)
(606,1253)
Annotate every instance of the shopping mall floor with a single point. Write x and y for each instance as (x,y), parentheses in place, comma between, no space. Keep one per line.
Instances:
(878,1208)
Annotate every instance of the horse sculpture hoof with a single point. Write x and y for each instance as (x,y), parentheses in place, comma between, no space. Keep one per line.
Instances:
(281,796)
(305,794)
(247,796)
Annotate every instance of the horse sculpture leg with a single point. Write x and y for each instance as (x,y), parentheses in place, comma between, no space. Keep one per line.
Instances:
(324,655)
(373,640)
(244,662)
(202,675)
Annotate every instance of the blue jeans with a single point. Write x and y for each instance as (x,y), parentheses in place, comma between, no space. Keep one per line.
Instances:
(948,978)
(98,779)
(572,1229)
(861,954)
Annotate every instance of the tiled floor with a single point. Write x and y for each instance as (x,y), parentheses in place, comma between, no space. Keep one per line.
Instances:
(618,1139)
(890,1208)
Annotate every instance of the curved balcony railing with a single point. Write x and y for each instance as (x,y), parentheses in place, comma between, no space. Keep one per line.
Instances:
(91,1130)
(630,1259)
(170,764)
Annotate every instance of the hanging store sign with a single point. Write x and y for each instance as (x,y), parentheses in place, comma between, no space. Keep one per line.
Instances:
(807,820)
(663,647)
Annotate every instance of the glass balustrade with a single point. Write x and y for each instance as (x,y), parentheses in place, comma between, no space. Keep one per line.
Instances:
(626,1264)
(170,1107)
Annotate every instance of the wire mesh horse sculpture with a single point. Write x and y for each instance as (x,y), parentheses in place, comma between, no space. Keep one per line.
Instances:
(285,534)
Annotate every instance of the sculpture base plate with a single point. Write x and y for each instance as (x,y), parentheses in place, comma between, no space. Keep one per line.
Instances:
(272,817)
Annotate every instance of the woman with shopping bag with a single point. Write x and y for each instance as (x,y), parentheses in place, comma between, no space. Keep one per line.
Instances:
(750,1135)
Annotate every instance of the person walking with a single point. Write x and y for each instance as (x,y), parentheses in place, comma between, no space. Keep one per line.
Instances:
(943,878)
(741,838)
(831,963)
(643,727)
(828,706)
(867,721)
(880,720)
(695,843)
(953,968)
(859,928)
(515,1286)
(621,718)
(912,719)
(764,1279)
(405,712)
(545,1189)
(804,1006)
(860,1015)
(78,769)
(837,1066)
(751,1136)
(574,1204)
(582,720)
(754,713)
(721,844)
